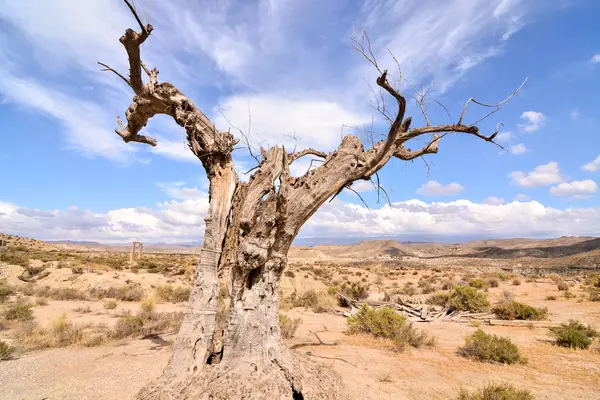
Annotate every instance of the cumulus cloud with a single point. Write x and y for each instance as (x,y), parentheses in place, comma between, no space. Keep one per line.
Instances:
(522,197)
(595,58)
(518,149)
(434,188)
(534,120)
(592,166)
(451,219)
(494,201)
(577,189)
(546,174)
(182,220)
(363,186)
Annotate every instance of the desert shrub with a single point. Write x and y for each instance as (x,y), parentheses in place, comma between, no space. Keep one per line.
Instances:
(60,334)
(574,335)
(562,285)
(319,302)
(516,281)
(6,291)
(386,323)
(594,295)
(128,326)
(593,280)
(129,292)
(439,299)
(552,297)
(510,310)
(484,347)
(41,301)
(409,289)
(14,258)
(568,295)
(466,298)
(173,294)
(354,290)
(6,351)
(159,322)
(83,309)
(148,304)
(478,283)
(288,326)
(289,274)
(493,282)
(427,288)
(448,285)
(496,391)
(20,311)
(110,304)
(63,293)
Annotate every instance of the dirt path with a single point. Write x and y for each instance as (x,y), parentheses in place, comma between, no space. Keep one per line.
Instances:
(111,372)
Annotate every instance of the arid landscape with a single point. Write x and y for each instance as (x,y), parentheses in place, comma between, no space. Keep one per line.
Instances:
(83,322)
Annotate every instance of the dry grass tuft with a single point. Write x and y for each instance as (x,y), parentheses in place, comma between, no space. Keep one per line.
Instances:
(496,391)
(288,326)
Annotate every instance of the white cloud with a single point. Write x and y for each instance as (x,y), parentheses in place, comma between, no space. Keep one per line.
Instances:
(518,149)
(415,218)
(592,166)
(276,119)
(494,201)
(522,197)
(578,189)
(440,40)
(505,137)
(433,188)
(363,186)
(595,58)
(575,114)
(534,121)
(182,220)
(546,174)
(174,150)
(85,123)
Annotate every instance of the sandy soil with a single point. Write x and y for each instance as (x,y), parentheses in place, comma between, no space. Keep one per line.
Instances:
(369,367)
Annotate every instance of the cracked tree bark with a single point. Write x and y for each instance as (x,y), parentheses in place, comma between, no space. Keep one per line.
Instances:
(249,229)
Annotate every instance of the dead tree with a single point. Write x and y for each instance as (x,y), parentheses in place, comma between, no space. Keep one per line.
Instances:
(249,229)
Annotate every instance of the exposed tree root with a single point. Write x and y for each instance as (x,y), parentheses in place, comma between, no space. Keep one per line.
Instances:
(296,377)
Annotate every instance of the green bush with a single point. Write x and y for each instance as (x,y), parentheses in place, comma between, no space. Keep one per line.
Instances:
(288,326)
(551,297)
(483,347)
(466,298)
(574,335)
(19,311)
(439,299)
(14,258)
(501,391)
(510,310)
(173,294)
(386,323)
(478,283)
(355,290)
(6,350)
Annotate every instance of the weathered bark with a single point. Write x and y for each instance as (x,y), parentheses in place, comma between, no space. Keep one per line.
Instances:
(249,229)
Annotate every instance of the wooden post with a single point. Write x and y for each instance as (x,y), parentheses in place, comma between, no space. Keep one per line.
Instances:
(140,245)
(132,254)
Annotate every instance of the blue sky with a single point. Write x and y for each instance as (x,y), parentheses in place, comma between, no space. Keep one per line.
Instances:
(290,65)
